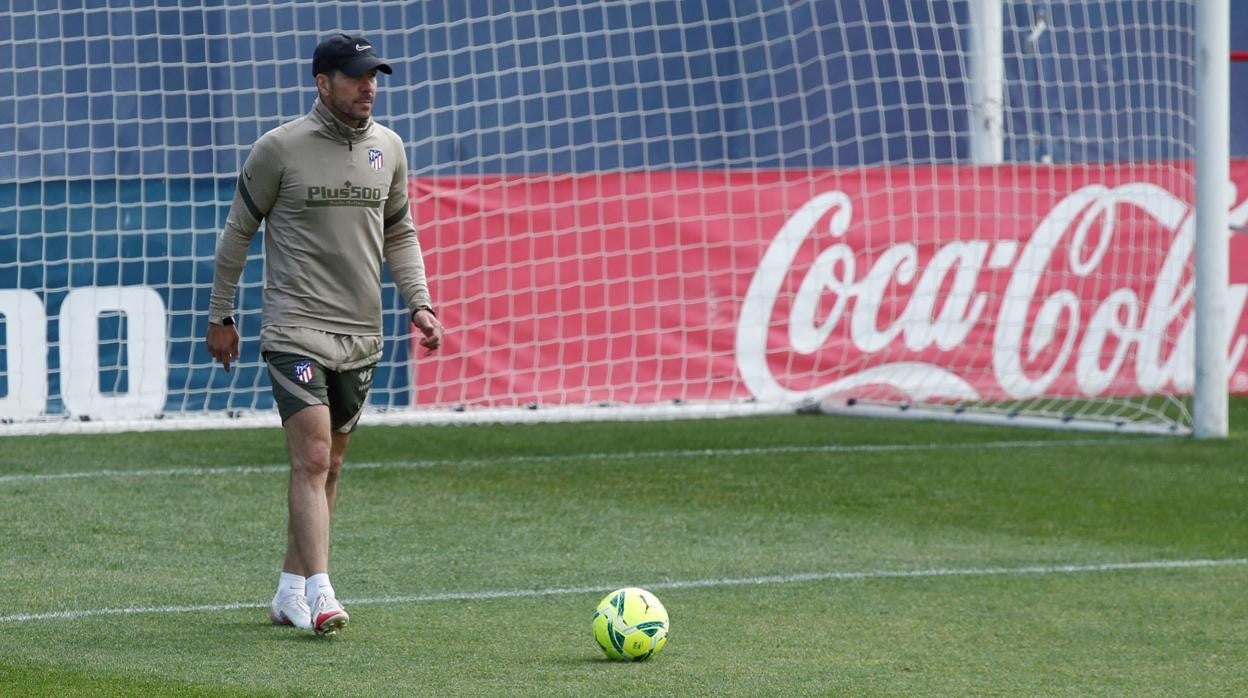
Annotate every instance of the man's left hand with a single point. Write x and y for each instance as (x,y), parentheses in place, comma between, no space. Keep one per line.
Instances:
(431,328)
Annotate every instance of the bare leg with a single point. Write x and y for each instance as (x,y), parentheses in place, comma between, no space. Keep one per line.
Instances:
(316,456)
(313,489)
(308,442)
(337,455)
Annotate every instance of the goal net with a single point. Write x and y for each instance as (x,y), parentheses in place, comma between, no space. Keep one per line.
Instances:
(630,209)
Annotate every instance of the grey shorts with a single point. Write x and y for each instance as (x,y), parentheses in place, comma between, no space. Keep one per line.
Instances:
(299,382)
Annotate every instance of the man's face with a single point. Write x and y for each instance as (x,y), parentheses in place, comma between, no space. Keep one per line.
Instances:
(350,98)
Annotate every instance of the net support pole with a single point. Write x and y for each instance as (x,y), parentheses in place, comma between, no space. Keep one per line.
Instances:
(1212,225)
(986,72)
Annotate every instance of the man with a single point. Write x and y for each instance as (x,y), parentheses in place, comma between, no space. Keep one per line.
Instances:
(332,186)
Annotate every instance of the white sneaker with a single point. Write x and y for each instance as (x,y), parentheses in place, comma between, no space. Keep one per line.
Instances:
(290,609)
(328,616)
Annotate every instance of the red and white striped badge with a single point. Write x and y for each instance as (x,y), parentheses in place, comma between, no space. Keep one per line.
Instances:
(303,371)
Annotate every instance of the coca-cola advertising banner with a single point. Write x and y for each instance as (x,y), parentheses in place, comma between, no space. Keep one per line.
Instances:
(937,283)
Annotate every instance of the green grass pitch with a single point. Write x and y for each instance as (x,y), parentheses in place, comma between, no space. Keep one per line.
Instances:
(797,555)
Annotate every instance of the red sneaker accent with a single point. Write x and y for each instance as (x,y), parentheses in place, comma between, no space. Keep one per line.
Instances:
(330,622)
(328,616)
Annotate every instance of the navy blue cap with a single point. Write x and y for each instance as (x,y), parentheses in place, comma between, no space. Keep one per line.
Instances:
(352,55)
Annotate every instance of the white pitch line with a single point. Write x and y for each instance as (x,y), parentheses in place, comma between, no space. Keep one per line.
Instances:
(1033,570)
(520,460)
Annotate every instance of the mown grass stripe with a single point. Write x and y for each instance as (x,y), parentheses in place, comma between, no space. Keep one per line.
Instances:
(1031,570)
(194,471)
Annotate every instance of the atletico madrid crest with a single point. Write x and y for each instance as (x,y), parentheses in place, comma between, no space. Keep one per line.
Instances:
(303,371)
(375,160)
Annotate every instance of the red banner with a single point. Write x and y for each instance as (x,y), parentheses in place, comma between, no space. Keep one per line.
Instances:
(925,283)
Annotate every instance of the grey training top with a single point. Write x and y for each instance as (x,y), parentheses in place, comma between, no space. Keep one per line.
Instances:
(335,199)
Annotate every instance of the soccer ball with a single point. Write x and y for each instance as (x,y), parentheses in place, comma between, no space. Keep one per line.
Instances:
(630,625)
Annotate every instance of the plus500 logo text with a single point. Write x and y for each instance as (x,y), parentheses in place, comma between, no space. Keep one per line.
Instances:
(347,195)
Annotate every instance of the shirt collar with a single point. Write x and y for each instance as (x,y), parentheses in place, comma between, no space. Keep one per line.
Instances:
(335,127)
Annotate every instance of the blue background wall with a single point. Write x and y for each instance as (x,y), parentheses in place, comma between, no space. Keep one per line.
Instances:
(122,124)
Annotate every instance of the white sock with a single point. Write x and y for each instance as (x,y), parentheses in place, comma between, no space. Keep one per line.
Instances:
(289,583)
(318,584)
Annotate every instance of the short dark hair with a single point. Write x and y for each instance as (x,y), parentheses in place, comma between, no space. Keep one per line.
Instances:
(352,55)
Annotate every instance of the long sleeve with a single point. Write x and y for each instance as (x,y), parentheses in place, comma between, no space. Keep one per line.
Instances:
(401,246)
(258,185)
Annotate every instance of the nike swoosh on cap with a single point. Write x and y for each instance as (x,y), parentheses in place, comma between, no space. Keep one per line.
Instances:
(365,47)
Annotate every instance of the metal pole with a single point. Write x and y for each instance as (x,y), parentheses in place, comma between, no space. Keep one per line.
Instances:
(986,73)
(1213,174)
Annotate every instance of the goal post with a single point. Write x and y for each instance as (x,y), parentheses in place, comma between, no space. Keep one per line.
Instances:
(1211,270)
(1013,212)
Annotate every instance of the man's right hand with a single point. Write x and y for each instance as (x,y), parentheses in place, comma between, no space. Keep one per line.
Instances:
(222,343)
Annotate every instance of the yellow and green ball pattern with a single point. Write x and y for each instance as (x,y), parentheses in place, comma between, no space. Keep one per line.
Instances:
(630,625)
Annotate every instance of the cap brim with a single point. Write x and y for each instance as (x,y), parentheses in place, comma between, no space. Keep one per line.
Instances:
(363,64)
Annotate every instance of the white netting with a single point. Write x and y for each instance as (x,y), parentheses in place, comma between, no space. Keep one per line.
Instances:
(641,204)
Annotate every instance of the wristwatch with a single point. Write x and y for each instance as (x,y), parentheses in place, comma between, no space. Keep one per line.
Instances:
(423,307)
(227,321)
